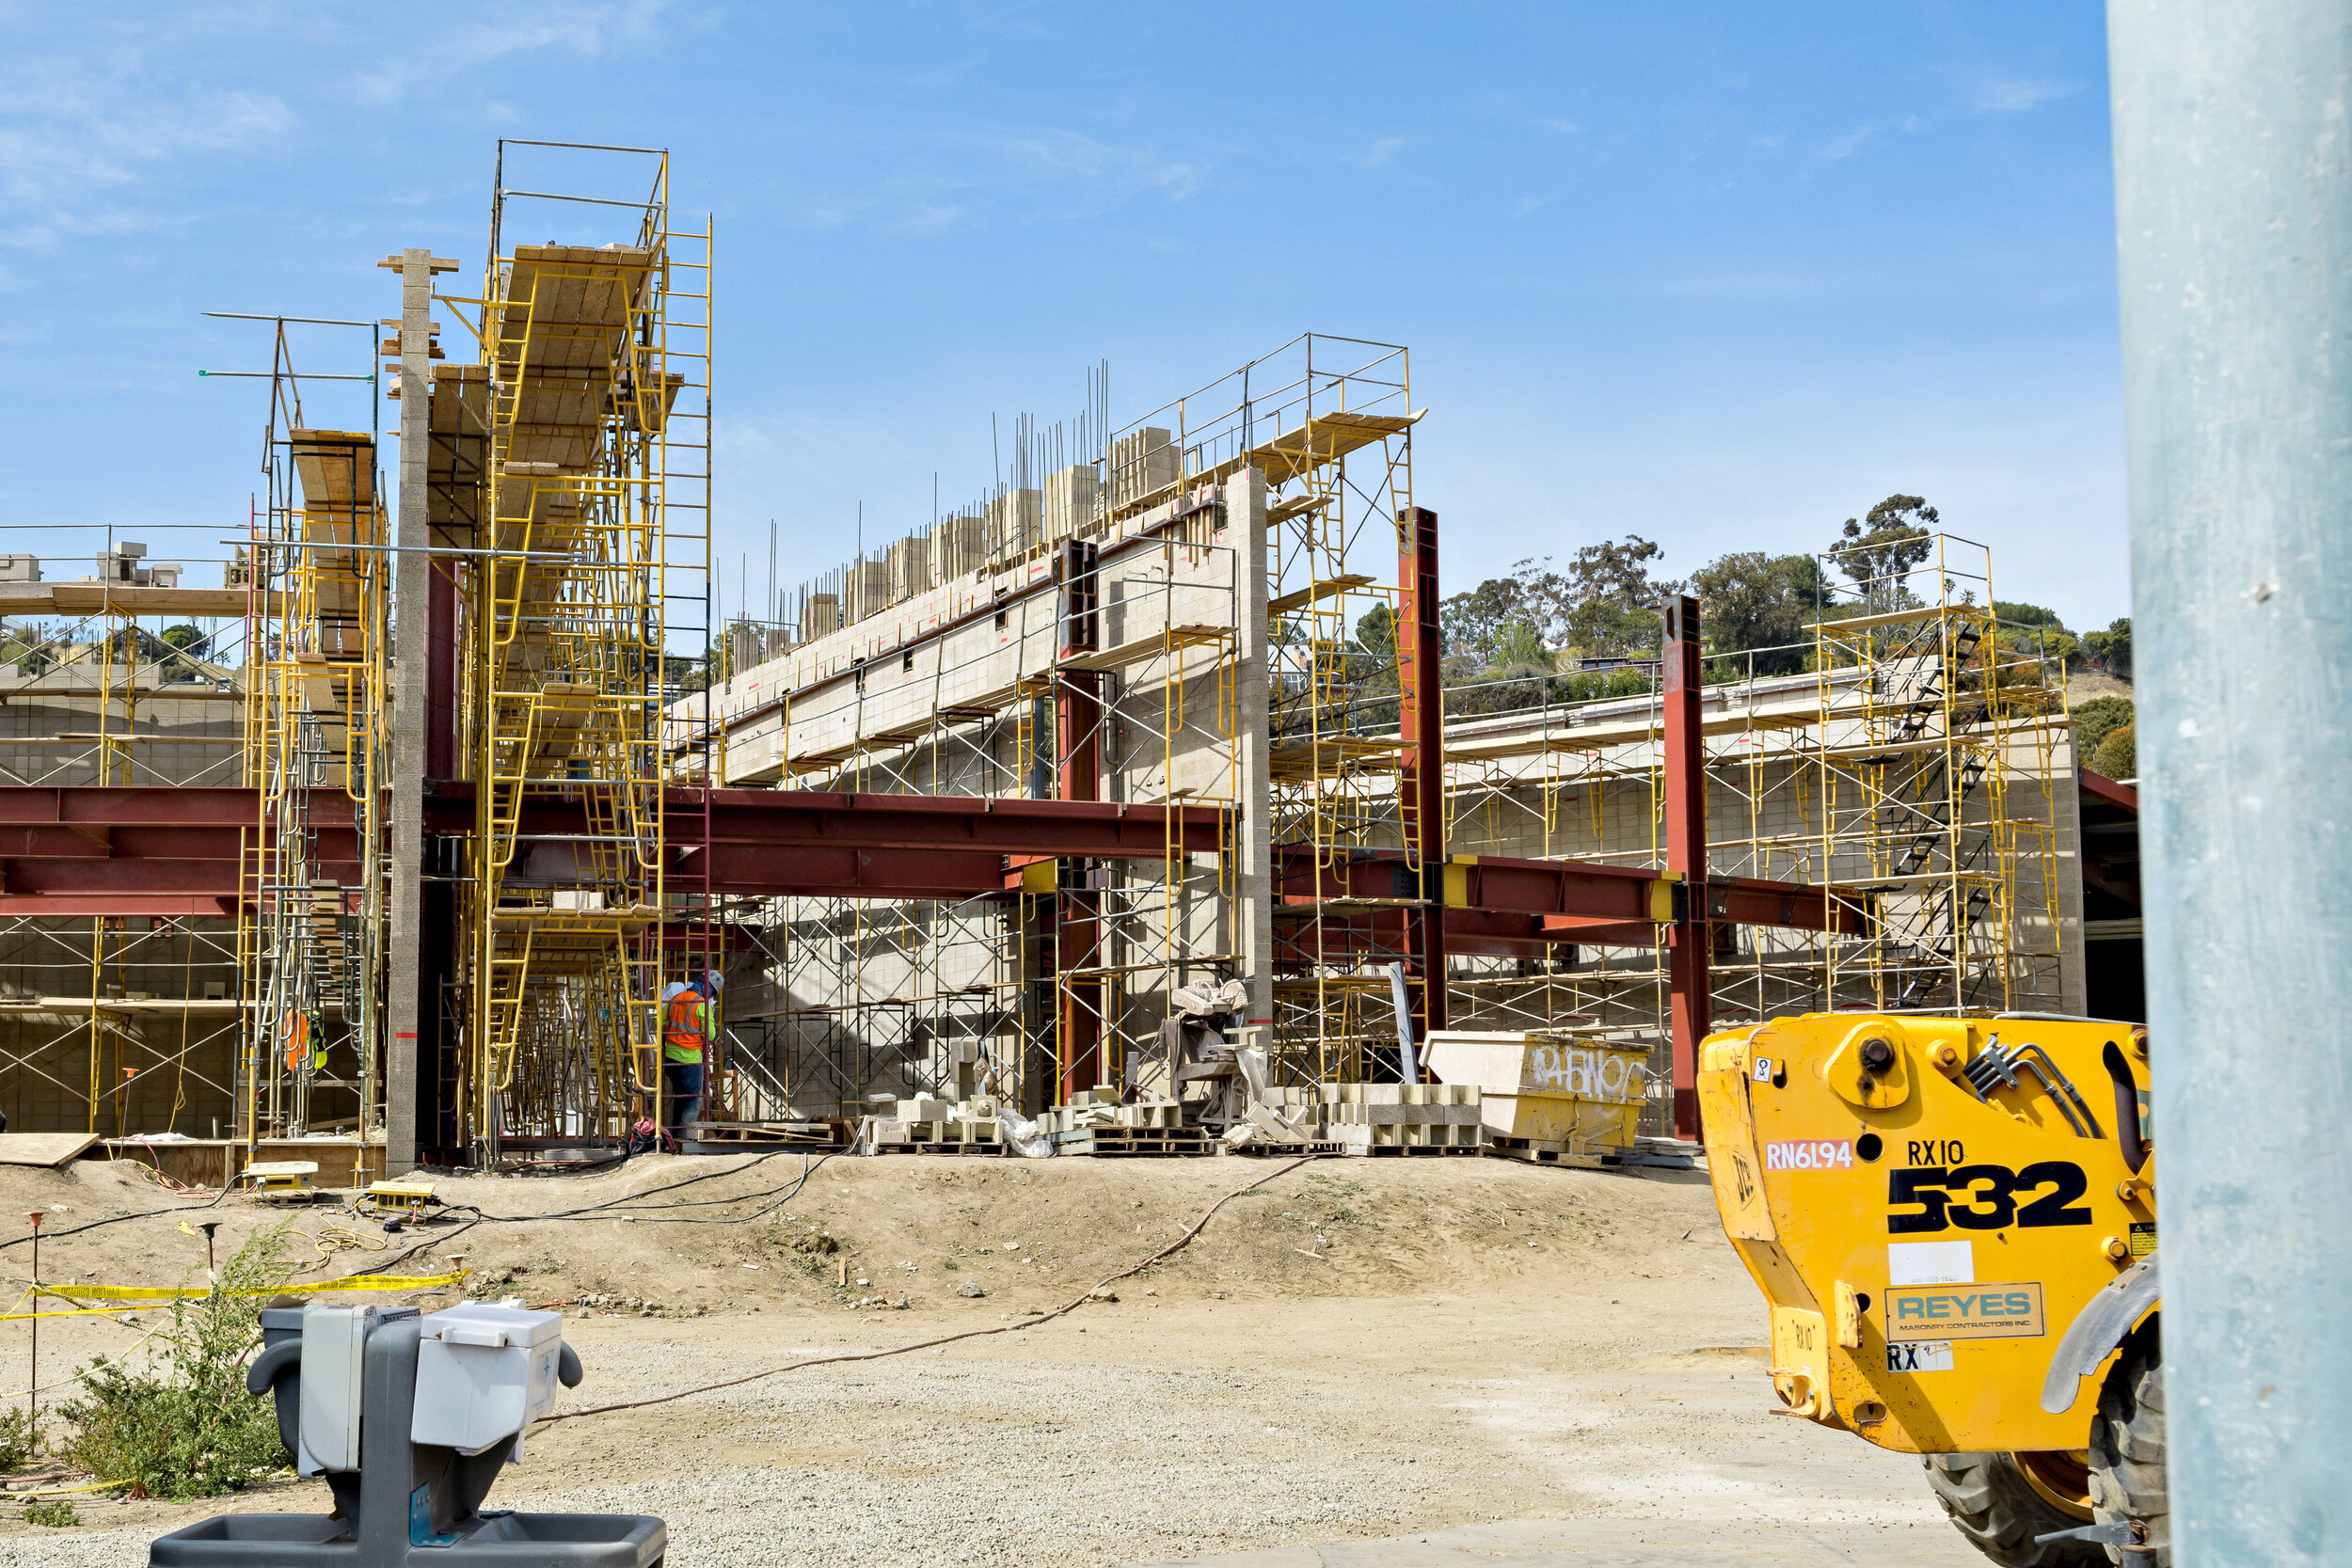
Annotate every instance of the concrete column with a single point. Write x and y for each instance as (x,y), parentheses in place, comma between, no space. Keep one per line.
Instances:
(1245,529)
(403,967)
(2233,220)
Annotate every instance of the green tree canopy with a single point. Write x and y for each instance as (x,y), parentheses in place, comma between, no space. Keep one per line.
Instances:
(2096,720)
(1878,551)
(2118,756)
(2027,614)
(2111,649)
(1751,600)
(1603,605)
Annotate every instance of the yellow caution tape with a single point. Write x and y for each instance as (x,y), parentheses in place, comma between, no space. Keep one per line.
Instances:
(69,1491)
(157,1294)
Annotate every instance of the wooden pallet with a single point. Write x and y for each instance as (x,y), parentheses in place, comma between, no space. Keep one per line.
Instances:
(1109,1142)
(1417,1149)
(1266,1150)
(801,1134)
(939,1148)
(1538,1153)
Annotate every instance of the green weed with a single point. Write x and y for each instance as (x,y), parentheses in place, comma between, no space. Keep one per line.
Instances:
(182,1425)
(53,1511)
(17,1439)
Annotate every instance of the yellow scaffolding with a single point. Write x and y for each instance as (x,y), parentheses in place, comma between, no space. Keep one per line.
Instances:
(310,944)
(593,519)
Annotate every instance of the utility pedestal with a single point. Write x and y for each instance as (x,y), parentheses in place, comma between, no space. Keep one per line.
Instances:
(409,1419)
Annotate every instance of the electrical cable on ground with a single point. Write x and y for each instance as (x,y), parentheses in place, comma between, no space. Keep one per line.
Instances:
(118,1219)
(782,1195)
(1174,1246)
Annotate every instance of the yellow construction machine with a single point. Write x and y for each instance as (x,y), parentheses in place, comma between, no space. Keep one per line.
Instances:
(1953,1220)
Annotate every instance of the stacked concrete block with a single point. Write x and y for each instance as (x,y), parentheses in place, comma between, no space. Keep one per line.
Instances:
(959,547)
(1142,463)
(1100,1108)
(1360,1117)
(868,589)
(910,567)
(1016,521)
(929,1119)
(1072,499)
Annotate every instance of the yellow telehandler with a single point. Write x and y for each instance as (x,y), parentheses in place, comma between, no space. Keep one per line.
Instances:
(1953,1223)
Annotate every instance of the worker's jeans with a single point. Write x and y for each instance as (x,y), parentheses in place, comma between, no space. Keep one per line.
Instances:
(682,1089)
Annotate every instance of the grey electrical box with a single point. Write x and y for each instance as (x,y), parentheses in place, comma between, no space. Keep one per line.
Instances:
(364,1426)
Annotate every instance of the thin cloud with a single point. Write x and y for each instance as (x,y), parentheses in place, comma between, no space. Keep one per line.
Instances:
(72,135)
(1850,142)
(592,31)
(962,176)
(2015,95)
(1379,154)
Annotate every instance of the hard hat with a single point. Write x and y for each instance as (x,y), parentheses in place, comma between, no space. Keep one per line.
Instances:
(715,978)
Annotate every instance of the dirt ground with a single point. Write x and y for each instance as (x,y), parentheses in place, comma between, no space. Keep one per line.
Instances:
(1358,1349)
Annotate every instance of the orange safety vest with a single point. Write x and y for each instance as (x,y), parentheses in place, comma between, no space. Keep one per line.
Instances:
(682,1038)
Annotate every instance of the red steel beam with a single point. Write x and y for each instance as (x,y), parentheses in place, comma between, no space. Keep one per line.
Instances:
(67,905)
(1101,828)
(850,871)
(1685,781)
(1421,763)
(1382,933)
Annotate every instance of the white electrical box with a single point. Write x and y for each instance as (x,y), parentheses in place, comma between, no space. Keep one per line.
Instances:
(334,1340)
(483,1374)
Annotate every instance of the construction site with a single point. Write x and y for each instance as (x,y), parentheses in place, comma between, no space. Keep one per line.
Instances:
(1158,712)
(360,852)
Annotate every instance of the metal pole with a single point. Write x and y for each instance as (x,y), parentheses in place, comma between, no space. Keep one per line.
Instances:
(2233,218)
(32,1383)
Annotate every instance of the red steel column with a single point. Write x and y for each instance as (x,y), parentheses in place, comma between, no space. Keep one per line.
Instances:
(1686,855)
(440,671)
(1420,766)
(1078,753)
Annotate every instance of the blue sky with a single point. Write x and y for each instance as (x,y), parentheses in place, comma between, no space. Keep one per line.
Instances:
(1720,274)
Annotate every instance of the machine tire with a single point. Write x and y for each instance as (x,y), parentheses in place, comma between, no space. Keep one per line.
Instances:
(2127,1447)
(1996,1508)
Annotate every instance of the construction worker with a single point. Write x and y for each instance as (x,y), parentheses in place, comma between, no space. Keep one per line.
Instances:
(687,1025)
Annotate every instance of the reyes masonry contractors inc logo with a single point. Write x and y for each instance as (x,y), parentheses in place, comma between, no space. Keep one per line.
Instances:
(1964,1312)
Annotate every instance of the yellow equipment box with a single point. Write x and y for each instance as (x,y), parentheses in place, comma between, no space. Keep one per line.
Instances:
(282,1180)
(399,1198)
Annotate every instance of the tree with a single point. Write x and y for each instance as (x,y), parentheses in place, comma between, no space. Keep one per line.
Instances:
(2118,756)
(1470,625)
(1603,629)
(2096,720)
(2027,614)
(188,644)
(1617,571)
(1751,600)
(2031,628)
(2111,649)
(1878,552)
